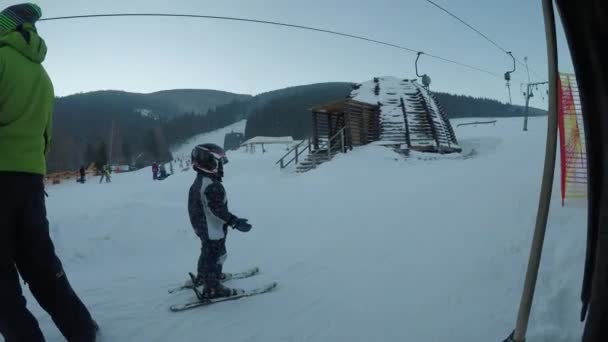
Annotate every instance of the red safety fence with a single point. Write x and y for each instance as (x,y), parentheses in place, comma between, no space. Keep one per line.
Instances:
(573,149)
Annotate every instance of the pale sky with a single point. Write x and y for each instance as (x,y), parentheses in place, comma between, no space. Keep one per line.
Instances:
(150,54)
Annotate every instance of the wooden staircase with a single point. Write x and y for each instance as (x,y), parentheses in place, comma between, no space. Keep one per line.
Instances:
(314,159)
(324,153)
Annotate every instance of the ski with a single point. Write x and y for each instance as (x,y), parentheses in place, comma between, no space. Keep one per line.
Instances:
(205,302)
(229,276)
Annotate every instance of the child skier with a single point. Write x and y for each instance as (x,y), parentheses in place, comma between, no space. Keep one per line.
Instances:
(210,217)
(154,171)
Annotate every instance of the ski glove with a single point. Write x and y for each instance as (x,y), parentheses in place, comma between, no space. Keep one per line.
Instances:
(242,225)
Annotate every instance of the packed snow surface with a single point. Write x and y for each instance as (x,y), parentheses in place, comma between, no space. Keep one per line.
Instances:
(215,137)
(368,247)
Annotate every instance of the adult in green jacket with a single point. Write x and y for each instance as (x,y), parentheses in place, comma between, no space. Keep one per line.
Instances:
(26,249)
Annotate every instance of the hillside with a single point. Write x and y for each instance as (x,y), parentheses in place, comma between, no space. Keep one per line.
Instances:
(140,128)
(288,115)
(163,104)
(462,106)
(196,100)
(181,128)
(370,246)
(133,127)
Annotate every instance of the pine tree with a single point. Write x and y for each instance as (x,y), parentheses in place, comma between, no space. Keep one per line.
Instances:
(102,156)
(90,154)
(127,152)
(151,145)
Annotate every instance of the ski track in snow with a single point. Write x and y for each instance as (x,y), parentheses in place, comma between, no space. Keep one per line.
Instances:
(215,137)
(370,246)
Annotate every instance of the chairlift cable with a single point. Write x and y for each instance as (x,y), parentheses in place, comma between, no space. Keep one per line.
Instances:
(310,28)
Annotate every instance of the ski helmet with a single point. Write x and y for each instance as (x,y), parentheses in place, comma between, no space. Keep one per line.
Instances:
(208,158)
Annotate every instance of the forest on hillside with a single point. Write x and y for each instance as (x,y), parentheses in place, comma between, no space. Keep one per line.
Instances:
(290,115)
(112,128)
(137,129)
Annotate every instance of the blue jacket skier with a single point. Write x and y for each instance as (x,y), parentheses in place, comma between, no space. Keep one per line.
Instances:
(210,217)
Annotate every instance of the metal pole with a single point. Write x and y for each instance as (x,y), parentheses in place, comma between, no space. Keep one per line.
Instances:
(527,107)
(329,147)
(111,144)
(528,97)
(523,315)
(527,69)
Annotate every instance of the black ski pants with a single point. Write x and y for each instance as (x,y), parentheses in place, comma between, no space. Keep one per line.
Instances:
(211,260)
(26,248)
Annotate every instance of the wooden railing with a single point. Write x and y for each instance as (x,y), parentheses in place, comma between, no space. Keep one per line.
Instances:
(477,123)
(337,143)
(296,151)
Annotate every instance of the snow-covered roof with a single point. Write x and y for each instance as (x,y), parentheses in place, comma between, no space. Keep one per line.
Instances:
(268,140)
(418,106)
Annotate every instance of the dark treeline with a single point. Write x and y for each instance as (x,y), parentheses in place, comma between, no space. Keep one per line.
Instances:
(290,115)
(119,128)
(185,126)
(79,127)
(137,129)
(462,106)
(125,128)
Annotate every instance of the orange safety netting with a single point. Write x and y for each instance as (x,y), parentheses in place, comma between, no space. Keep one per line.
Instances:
(572,140)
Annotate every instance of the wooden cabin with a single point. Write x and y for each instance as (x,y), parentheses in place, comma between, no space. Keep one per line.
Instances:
(389,111)
(233,140)
(359,120)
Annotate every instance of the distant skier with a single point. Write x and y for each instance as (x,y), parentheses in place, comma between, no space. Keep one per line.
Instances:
(154,171)
(105,173)
(82,173)
(163,172)
(108,171)
(210,217)
(26,248)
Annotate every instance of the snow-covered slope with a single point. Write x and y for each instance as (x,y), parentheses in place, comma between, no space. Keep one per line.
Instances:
(215,137)
(367,247)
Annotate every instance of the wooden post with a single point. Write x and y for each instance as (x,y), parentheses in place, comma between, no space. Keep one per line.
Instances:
(315,131)
(297,154)
(347,125)
(282,167)
(342,140)
(329,127)
(407,128)
(430,121)
(363,135)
